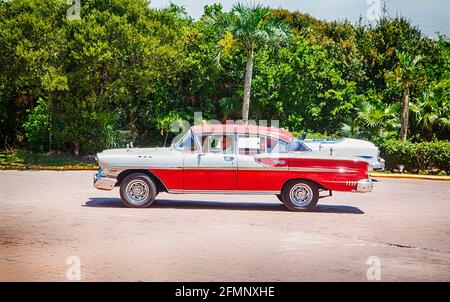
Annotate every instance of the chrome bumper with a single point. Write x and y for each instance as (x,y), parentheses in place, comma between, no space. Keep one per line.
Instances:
(104,183)
(364,185)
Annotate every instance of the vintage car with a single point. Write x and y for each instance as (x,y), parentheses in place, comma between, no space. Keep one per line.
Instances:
(348,147)
(231,159)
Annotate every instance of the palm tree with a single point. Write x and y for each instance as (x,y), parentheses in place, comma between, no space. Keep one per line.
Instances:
(372,120)
(378,118)
(431,111)
(406,74)
(250,28)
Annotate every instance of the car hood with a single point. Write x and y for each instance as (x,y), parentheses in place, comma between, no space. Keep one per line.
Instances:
(131,156)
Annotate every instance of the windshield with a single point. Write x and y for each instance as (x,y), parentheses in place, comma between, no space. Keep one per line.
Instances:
(184,143)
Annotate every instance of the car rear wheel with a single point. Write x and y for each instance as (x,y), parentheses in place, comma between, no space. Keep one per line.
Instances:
(138,190)
(300,195)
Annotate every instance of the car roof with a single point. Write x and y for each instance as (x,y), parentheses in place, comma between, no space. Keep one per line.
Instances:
(247,129)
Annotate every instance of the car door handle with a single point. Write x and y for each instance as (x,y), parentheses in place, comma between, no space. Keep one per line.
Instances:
(229,158)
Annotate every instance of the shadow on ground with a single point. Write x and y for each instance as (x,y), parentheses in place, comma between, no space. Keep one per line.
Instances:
(220,205)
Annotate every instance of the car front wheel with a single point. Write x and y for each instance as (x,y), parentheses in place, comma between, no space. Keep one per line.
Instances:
(138,191)
(300,195)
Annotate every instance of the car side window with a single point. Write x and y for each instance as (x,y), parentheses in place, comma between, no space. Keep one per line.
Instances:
(297,145)
(217,143)
(276,146)
(250,144)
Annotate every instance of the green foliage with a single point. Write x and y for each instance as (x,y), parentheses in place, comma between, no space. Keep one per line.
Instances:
(10,158)
(432,111)
(169,122)
(24,158)
(250,26)
(126,71)
(37,126)
(373,119)
(113,137)
(425,157)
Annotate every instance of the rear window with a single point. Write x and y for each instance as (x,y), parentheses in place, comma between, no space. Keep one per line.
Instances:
(254,144)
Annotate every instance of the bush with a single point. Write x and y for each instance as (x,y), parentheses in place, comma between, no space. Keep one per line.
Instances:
(37,128)
(425,157)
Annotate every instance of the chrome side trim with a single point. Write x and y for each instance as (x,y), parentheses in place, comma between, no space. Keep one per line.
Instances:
(340,170)
(114,171)
(118,169)
(143,167)
(164,168)
(231,168)
(263,168)
(209,168)
(223,192)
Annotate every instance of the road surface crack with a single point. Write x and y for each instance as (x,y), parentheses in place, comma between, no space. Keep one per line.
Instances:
(399,245)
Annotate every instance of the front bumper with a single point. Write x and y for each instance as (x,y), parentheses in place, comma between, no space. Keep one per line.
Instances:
(104,183)
(364,185)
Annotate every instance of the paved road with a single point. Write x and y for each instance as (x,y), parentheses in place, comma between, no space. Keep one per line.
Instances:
(47,217)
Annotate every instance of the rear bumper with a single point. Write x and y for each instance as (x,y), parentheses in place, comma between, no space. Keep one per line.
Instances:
(104,183)
(364,185)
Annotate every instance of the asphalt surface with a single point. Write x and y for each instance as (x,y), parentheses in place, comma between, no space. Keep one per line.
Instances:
(399,232)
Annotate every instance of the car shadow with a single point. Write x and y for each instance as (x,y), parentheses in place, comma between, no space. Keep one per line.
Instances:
(107,202)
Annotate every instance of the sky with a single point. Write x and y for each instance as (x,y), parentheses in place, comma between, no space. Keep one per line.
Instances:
(431,16)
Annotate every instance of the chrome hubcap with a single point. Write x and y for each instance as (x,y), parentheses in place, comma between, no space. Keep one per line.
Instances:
(137,191)
(301,195)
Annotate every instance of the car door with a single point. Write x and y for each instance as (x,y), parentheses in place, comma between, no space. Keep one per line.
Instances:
(261,167)
(211,168)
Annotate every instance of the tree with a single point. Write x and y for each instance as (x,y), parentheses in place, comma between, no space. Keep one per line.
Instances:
(373,120)
(405,76)
(251,28)
(125,70)
(431,111)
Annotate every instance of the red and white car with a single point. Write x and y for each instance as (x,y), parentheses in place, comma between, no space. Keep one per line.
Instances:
(230,159)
